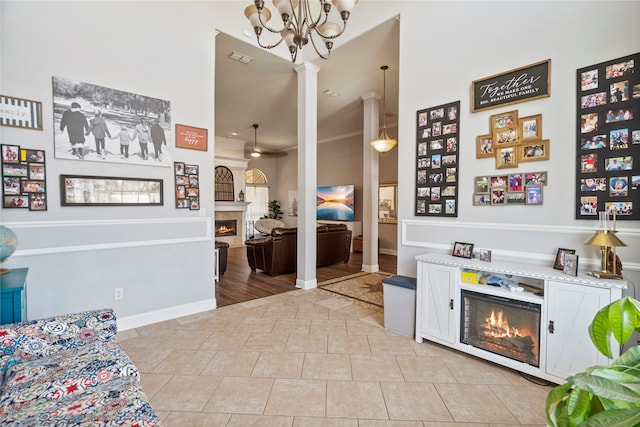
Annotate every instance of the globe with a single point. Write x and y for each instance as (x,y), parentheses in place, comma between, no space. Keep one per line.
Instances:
(8,243)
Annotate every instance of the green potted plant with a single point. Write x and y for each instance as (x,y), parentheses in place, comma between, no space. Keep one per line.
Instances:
(603,395)
(274,210)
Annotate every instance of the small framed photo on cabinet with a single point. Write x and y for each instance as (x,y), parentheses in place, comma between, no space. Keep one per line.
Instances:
(570,264)
(463,250)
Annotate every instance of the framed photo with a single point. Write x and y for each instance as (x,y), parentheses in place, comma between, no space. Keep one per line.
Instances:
(24,113)
(535,178)
(481,200)
(506,157)
(486,93)
(191,137)
(10,153)
(80,114)
(462,250)
(498,196)
(560,257)
(23,178)
(570,264)
(515,198)
(79,190)
(534,195)
(484,255)
(532,151)
(504,137)
(530,127)
(481,184)
(437,163)
(516,182)
(507,120)
(607,138)
(484,146)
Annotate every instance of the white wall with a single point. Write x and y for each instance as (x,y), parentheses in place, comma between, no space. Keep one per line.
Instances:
(447,45)
(161,256)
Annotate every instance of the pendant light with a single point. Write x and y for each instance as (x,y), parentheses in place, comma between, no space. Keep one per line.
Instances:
(384,143)
(255,153)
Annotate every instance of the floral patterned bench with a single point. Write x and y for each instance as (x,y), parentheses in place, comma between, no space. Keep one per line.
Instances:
(69,370)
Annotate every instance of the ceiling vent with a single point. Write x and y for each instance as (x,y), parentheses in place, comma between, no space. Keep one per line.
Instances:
(240,57)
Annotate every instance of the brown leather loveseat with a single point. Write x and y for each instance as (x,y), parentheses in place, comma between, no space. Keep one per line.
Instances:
(277,253)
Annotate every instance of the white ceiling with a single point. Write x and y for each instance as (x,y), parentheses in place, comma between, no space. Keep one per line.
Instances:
(265,90)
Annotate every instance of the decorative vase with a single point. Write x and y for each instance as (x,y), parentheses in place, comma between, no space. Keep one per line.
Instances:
(8,245)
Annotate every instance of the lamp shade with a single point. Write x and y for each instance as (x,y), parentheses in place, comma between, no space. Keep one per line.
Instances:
(344,5)
(328,30)
(251,12)
(604,238)
(383,143)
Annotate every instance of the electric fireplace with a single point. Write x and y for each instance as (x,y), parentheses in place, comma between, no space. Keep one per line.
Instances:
(227,227)
(505,326)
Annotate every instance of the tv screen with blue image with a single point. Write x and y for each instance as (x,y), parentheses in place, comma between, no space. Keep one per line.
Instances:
(335,202)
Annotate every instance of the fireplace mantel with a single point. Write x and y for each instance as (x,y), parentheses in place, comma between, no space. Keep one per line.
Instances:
(231,206)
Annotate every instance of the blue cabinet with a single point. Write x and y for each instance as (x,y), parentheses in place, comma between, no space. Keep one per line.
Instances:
(13,296)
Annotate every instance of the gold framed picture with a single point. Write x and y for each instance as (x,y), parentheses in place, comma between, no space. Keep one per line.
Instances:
(530,127)
(532,151)
(484,146)
(508,119)
(506,157)
(504,137)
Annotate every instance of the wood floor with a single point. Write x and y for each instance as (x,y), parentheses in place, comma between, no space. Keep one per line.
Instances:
(239,284)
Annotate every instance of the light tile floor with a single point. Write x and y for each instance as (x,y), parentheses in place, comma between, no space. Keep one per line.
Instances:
(312,358)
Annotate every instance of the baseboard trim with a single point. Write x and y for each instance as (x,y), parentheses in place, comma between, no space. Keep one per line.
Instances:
(306,284)
(156,316)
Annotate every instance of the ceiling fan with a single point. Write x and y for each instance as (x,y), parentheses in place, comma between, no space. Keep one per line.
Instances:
(256,151)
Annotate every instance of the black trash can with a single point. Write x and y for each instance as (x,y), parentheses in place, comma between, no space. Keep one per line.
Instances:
(400,304)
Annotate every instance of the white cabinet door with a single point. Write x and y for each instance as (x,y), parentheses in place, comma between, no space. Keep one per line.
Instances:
(439,302)
(570,310)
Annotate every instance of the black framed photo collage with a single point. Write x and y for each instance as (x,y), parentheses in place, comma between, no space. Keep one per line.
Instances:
(608,139)
(437,160)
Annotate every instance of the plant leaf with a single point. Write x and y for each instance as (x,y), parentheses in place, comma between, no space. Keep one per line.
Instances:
(615,375)
(578,405)
(615,418)
(605,388)
(622,319)
(600,332)
(556,395)
(629,360)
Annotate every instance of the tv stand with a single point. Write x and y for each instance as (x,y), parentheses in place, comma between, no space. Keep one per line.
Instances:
(566,306)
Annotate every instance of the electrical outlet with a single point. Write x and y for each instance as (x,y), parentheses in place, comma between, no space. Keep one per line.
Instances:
(118,293)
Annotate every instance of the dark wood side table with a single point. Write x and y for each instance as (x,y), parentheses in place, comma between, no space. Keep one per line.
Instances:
(13,296)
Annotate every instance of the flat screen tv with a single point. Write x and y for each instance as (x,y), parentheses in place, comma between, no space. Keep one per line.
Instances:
(335,202)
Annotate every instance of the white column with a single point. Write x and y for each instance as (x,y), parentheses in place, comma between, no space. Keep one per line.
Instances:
(307,173)
(370,184)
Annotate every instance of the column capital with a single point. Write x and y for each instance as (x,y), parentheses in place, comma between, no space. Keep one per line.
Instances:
(371,95)
(306,66)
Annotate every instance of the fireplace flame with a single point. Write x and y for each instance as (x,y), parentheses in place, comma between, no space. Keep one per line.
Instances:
(223,229)
(497,325)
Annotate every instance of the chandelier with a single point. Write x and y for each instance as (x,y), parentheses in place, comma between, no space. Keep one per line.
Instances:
(300,23)
(384,143)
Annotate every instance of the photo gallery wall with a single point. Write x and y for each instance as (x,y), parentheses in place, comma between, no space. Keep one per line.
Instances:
(23,178)
(437,160)
(608,139)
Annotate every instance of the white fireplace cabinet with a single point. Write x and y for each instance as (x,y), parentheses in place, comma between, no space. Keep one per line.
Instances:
(566,304)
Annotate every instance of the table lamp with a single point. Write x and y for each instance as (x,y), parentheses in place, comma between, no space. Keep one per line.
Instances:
(607,240)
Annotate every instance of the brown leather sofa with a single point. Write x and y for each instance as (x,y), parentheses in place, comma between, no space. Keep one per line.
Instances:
(277,253)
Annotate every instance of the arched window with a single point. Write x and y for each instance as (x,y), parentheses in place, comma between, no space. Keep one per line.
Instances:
(224,185)
(257,193)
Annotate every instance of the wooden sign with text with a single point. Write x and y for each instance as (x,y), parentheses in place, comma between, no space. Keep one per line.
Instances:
(191,137)
(519,85)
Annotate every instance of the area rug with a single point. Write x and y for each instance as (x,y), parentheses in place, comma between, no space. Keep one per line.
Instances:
(366,287)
